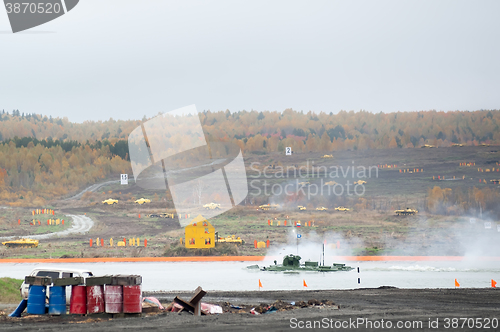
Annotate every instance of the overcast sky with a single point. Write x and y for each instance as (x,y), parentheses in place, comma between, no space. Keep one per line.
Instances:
(125,59)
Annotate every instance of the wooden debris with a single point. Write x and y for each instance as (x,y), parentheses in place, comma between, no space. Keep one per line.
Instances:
(193,305)
(38,281)
(69,281)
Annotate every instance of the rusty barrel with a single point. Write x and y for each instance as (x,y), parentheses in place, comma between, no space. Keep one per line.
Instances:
(95,299)
(57,300)
(78,300)
(113,299)
(132,299)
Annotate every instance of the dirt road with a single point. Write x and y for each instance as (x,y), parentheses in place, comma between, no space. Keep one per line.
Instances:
(80,225)
(360,310)
(91,188)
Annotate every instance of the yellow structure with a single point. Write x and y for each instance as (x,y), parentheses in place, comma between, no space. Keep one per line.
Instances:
(199,234)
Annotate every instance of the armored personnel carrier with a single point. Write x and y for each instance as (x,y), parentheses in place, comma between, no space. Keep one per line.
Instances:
(291,263)
(21,243)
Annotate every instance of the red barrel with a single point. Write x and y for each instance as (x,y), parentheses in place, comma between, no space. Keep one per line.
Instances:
(78,300)
(113,299)
(95,299)
(132,299)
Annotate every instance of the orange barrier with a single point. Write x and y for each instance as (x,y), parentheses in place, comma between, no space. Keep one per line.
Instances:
(413,258)
(236,259)
(135,259)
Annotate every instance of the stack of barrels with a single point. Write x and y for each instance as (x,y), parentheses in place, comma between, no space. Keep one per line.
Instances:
(114,294)
(110,294)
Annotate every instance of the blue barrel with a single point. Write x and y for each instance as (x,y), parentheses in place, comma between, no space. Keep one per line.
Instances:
(57,300)
(36,300)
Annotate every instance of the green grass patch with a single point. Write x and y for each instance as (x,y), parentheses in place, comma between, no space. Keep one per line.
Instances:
(221,249)
(58,253)
(9,290)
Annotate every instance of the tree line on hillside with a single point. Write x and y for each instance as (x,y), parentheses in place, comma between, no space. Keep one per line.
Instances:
(32,174)
(461,201)
(49,157)
(120,148)
(41,127)
(272,131)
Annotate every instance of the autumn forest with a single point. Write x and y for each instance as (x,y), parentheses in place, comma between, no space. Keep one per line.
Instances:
(42,158)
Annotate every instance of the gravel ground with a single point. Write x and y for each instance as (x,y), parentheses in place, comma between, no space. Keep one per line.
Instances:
(356,310)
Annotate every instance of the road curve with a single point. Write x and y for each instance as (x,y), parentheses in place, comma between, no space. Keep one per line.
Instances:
(80,225)
(97,186)
(92,188)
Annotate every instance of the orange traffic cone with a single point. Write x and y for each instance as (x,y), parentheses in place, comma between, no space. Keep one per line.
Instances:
(493,283)
(456,283)
(304,281)
(260,285)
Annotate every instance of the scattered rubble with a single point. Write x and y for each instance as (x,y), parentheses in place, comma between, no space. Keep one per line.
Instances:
(278,305)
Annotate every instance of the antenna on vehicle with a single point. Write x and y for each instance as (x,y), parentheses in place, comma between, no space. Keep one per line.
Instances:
(323,254)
